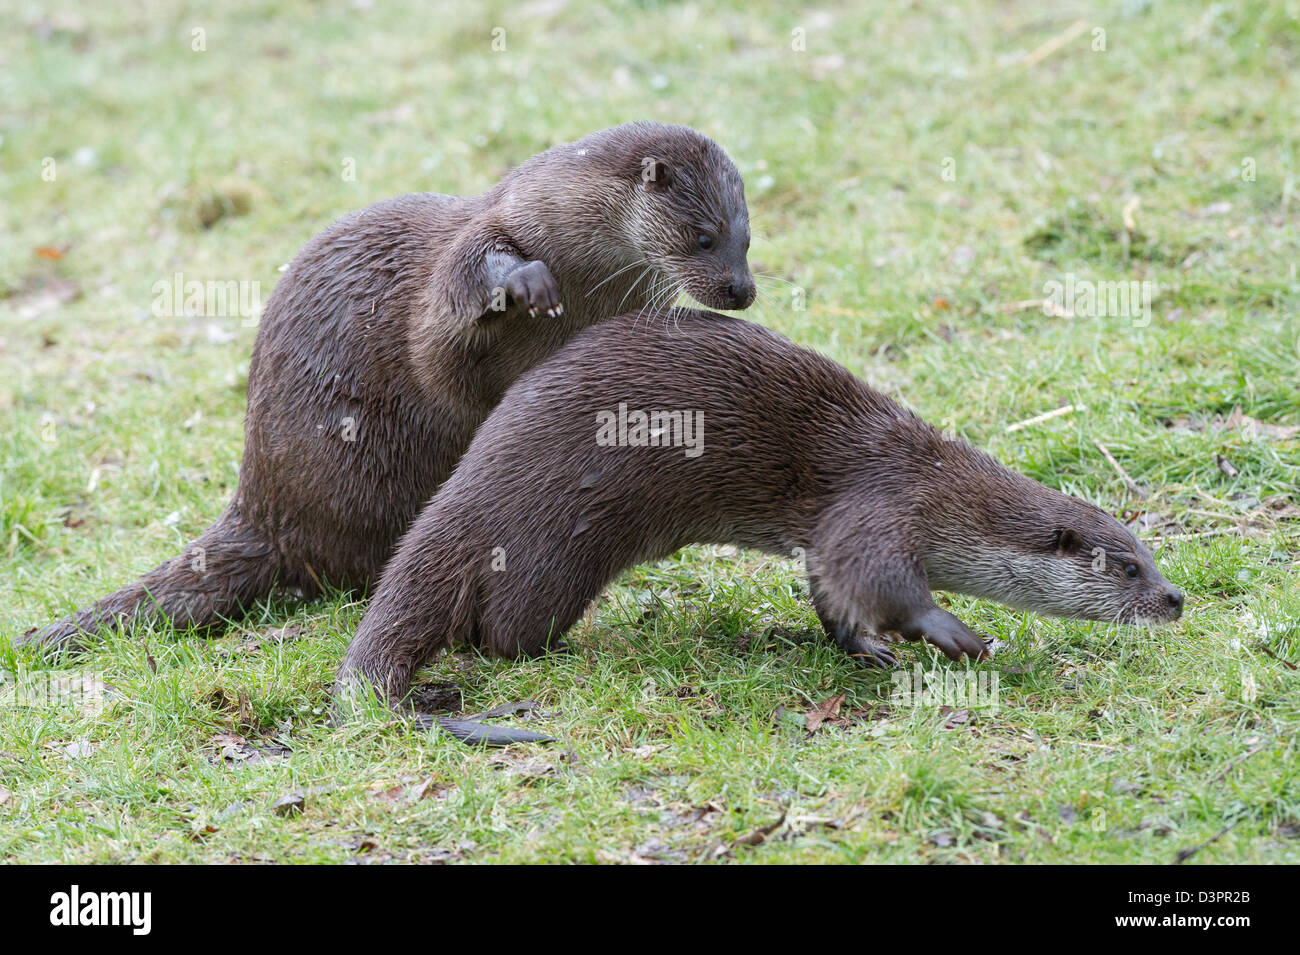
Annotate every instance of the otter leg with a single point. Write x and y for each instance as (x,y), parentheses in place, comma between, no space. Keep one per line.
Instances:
(507,638)
(554,645)
(503,279)
(874,589)
(940,628)
(533,286)
(850,639)
(862,648)
(495,283)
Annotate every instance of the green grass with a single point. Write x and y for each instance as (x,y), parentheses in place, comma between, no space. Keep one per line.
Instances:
(679,713)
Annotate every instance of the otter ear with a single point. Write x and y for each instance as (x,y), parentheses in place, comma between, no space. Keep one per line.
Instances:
(1066,541)
(655,174)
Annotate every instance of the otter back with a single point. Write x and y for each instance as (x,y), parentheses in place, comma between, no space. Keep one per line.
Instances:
(650,432)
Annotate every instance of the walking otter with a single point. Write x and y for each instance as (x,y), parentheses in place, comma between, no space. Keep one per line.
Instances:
(758,443)
(396,330)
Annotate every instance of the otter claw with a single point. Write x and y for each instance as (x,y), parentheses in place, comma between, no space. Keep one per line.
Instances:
(532,284)
(877,657)
(863,650)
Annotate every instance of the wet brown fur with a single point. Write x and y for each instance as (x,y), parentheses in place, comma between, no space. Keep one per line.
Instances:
(384,330)
(798,456)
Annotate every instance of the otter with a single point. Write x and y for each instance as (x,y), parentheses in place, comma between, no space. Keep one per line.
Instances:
(394,333)
(649,432)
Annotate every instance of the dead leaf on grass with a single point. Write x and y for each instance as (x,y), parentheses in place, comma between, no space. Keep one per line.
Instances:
(505,709)
(819,714)
(384,791)
(955,718)
(1263,429)
(200,832)
(43,294)
(238,749)
(77,749)
(428,789)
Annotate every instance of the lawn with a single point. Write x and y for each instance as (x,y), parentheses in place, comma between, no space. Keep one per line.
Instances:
(919,175)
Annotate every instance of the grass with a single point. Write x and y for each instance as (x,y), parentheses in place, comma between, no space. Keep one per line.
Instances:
(1168,157)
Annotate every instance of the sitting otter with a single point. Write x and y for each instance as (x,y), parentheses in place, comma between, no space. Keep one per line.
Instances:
(396,330)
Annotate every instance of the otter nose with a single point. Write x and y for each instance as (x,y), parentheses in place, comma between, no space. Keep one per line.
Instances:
(1175,598)
(740,294)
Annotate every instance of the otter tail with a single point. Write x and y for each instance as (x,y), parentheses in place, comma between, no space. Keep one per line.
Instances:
(364,668)
(228,567)
(474,733)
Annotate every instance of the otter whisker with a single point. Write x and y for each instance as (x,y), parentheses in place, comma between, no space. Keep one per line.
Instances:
(615,274)
(668,303)
(760,308)
(671,293)
(644,272)
(660,296)
(774,278)
(648,309)
(651,292)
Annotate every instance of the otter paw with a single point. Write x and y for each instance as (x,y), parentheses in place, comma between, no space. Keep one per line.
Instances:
(943,630)
(864,650)
(533,286)
(875,655)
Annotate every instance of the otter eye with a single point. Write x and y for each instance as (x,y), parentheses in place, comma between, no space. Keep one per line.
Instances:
(706,241)
(1131,570)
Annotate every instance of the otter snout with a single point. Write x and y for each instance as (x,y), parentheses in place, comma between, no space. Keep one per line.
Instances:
(1166,606)
(740,292)
(1161,603)
(732,290)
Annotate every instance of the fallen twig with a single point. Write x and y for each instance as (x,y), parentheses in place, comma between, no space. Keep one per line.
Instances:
(1054,44)
(1132,484)
(1261,645)
(1045,416)
(1185,854)
(1234,763)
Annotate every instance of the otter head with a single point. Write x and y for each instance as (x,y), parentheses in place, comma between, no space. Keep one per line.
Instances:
(1013,540)
(686,215)
(1103,572)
